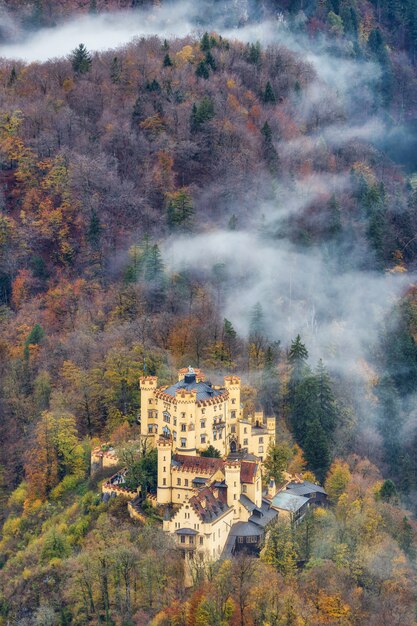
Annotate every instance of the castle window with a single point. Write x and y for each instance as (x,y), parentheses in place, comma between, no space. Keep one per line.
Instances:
(203,439)
(245,442)
(233,415)
(183,442)
(175,421)
(261,439)
(244,489)
(182,538)
(240,539)
(233,400)
(178,481)
(191,539)
(203,411)
(183,428)
(234,497)
(233,429)
(201,540)
(183,416)
(165,469)
(260,449)
(164,481)
(203,423)
(149,428)
(245,430)
(186,482)
(220,434)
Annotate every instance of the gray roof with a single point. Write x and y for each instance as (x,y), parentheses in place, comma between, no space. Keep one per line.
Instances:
(288,502)
(304,488)
(247,503)
(246,529)
(186,531)
(263,516)
(204,390)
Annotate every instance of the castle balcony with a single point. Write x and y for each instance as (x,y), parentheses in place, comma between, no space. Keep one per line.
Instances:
(186,539)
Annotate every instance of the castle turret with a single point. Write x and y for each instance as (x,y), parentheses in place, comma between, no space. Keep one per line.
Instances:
(232,479)
(148,410)
(164,493)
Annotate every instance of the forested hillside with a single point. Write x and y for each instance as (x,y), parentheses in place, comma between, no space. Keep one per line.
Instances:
(242,206)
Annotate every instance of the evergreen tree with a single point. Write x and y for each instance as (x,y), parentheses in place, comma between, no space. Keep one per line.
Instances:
(268,95)
(316,449)
(12,76)
(81,60)
(202,70)
(94,230)
(270,153)
(232,224)
(167,61)
(115,70)
(180,209)
(210,61)
(257,321)
(253,53)
(327,407)
(201,113)
(205,43)
(153,265)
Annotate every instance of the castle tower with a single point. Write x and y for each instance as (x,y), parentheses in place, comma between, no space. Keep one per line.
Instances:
(232,385)
(148,413)
(186,416)
(232,479)
(164,490)
(271,428)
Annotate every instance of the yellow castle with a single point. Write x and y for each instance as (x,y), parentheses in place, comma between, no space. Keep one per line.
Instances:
(195,414)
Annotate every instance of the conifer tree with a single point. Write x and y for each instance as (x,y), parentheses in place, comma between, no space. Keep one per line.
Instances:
(167,61)
(202,70)
(81,60)
(115,70)
(205,43)
(268,95)
(210,61)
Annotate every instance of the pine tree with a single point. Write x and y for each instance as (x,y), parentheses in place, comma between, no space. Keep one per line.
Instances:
(270,153)
(232,224)
(268,95)
(115,70)
(201,113)
(202,70)
(253,53)
(210,61)
(81,60)
(316,449)
(167,61)
(327,407)
(205,43)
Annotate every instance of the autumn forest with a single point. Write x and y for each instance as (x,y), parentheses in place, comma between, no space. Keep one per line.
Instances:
(232,186)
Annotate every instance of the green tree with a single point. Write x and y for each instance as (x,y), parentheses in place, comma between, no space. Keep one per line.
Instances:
(268,95)
(180,209)
(167,61)
(202,70)
(211,452)
(81,60)
(276,462)
(279,550)
(201,113)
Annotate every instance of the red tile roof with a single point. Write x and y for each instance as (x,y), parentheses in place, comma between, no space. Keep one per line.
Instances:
(207,506)
(248,471)
(202,464)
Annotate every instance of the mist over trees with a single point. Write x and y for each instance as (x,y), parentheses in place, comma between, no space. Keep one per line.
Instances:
(121,172)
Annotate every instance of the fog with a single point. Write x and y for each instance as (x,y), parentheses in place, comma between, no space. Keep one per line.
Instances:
(337,314)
